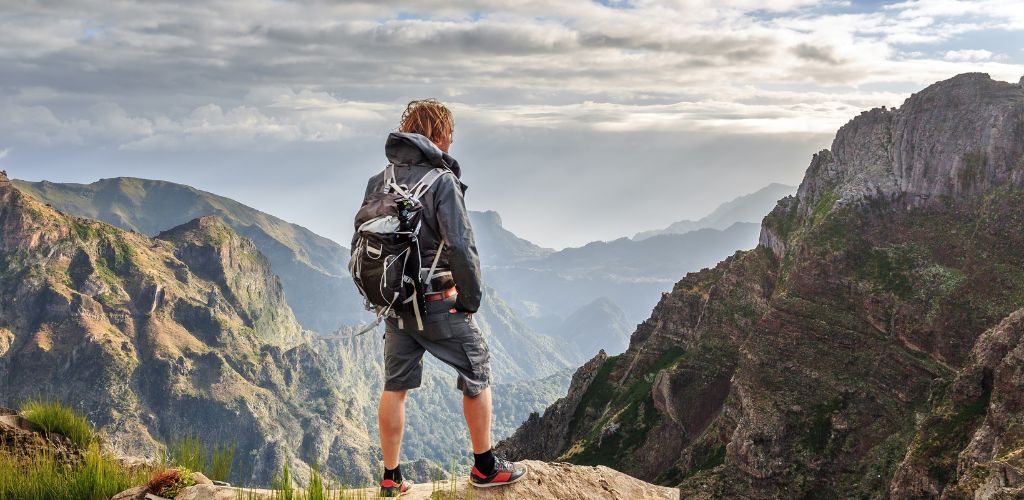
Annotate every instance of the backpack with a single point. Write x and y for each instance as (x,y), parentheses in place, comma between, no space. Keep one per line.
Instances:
(386,259)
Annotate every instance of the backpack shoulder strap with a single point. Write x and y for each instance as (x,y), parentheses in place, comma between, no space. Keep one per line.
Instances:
(390,182)
(424,184)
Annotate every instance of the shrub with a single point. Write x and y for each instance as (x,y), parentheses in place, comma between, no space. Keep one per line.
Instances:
(168,483)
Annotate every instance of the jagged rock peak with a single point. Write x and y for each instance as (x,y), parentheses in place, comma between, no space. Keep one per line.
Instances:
(492,217)
(952,140)
(955,138)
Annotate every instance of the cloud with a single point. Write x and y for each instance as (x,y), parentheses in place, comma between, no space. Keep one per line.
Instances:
(158,82)
(967,55)
(4,152)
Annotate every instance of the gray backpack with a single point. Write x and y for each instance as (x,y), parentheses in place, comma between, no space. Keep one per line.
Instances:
(386,259)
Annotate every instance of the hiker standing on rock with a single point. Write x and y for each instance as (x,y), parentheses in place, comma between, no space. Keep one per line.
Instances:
(415,261)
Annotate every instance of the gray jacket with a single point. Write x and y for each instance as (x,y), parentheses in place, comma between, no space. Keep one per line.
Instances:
(444,214)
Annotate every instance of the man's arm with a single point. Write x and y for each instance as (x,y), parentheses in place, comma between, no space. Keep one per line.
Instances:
(453,221)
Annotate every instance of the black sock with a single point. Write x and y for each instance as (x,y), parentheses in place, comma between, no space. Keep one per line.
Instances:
(484,462)
(394,474)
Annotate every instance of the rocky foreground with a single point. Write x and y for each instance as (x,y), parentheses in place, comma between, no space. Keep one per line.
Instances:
(545,481)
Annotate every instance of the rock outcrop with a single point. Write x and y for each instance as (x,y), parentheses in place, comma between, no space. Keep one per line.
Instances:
(545,481)
(847,355)
(155,339)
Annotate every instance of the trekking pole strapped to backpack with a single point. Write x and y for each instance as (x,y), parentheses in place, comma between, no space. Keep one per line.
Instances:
(386,260)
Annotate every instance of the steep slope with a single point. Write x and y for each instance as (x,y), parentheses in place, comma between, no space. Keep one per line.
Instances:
(311,268)
(799,369)
(747,208)
(157,338)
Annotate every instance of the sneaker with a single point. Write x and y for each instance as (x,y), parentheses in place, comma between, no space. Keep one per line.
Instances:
(505,472)
(391,489)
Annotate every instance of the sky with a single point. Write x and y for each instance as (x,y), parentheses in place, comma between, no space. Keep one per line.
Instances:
(575,120)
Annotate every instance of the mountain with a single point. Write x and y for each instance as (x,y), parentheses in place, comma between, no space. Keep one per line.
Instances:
(499,246)
(599,325)
(747,208)
(632,274)
(313,269)
(869,347)
(155,338)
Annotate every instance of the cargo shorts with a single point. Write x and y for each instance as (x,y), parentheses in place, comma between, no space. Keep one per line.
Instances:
(453,338)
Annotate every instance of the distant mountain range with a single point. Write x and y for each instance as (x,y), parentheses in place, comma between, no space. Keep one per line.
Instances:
(747,208)
(632,274)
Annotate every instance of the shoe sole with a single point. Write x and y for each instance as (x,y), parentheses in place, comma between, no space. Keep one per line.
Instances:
(403,493)
(506,483)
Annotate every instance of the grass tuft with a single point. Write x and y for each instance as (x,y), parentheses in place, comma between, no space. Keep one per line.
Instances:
(191,453)
(54,417)
(97,476)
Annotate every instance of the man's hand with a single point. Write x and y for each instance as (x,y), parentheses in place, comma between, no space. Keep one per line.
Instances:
(453,311)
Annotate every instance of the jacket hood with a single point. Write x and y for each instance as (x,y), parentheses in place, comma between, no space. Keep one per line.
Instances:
(407,149)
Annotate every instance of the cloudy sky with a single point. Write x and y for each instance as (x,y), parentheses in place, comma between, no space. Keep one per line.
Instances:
(576,120)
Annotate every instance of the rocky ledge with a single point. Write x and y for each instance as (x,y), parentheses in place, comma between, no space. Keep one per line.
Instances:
(544,481)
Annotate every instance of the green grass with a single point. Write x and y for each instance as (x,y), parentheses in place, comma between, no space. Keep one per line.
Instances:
(191,453)
(54,417)
(97,476)
(320,488)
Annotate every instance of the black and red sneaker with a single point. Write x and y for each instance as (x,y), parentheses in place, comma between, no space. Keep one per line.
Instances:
(505,472)
(391,489)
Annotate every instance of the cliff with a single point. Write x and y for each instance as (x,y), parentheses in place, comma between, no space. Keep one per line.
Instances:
(864,349)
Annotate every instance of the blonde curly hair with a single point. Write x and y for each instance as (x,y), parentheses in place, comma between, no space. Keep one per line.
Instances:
(430,118)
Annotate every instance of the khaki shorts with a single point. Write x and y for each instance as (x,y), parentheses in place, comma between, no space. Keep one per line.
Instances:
(453,338)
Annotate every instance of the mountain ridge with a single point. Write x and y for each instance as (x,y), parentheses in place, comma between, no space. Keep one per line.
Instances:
(800,368)
(312,268)
(750,207)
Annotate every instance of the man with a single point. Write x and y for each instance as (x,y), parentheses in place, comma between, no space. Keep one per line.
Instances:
(449,331)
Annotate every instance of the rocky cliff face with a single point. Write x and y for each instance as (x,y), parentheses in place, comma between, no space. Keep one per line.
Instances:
(848,354)
(158,338)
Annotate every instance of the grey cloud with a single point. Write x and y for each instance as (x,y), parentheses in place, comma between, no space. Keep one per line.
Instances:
(817,53)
